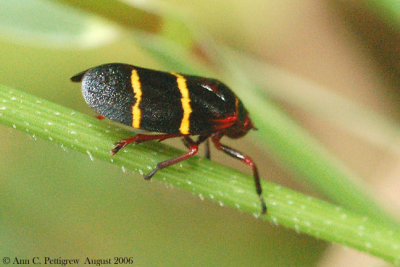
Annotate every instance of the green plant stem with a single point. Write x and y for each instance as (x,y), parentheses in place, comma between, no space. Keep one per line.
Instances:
(200,176)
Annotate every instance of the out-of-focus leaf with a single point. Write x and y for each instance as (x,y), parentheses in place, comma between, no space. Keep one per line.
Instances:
(46,23)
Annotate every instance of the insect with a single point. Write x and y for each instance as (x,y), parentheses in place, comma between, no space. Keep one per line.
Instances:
(170,104)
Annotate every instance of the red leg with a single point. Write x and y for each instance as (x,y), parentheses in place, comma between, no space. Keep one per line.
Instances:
(200,140)
(139,138)
(247,160)
(193,148)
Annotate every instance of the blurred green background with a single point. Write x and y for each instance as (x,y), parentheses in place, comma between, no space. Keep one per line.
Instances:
(60,203)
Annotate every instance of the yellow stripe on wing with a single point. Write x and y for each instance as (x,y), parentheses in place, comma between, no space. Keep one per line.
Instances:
(185,99)
(137,89)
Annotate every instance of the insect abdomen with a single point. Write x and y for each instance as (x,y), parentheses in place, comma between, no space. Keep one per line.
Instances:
(156,101)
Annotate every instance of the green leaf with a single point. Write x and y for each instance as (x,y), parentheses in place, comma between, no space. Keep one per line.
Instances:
(59,25)
(200,176)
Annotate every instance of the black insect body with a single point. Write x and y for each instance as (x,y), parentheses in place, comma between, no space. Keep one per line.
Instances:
(172,104)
